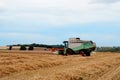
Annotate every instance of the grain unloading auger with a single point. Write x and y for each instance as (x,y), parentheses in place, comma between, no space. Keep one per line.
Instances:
(77,46)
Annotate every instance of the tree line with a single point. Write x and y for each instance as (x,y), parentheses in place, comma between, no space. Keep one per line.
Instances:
(31,46)
(108,49)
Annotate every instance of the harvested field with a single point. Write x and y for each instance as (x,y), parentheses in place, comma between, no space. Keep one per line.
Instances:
(36,65)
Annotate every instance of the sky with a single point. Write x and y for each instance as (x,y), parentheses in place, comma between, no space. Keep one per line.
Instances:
(53,21)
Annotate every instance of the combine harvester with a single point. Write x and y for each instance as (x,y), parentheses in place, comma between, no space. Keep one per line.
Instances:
(77,46)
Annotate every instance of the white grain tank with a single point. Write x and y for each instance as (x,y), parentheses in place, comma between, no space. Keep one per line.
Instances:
(74,42)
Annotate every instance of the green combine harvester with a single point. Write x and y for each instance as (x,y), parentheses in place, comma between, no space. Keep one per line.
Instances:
(77,46)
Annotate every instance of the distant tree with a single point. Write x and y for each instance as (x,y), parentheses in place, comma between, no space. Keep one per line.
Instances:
(108,49)
(10,47)
(31,48)
(23,47)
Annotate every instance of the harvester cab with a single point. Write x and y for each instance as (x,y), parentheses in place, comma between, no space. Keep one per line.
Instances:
(65,44)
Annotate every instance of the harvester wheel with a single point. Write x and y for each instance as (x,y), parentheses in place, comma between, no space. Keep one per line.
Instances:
(81,53)
(88,54)
(69,52)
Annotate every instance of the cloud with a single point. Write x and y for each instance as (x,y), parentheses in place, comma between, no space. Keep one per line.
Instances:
(105,1)
(2,7)
(60,12)
(16,38)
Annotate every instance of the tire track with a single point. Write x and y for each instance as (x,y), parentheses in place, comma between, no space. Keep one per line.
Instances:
(111,75)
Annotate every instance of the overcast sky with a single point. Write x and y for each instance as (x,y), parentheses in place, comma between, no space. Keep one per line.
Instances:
(53,21)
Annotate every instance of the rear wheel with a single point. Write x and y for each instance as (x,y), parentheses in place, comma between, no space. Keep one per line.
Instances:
(81,53)
(88,54)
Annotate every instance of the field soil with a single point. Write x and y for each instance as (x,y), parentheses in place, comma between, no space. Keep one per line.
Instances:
(44,65)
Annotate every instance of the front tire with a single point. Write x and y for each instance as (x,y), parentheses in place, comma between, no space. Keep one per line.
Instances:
(69,51)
